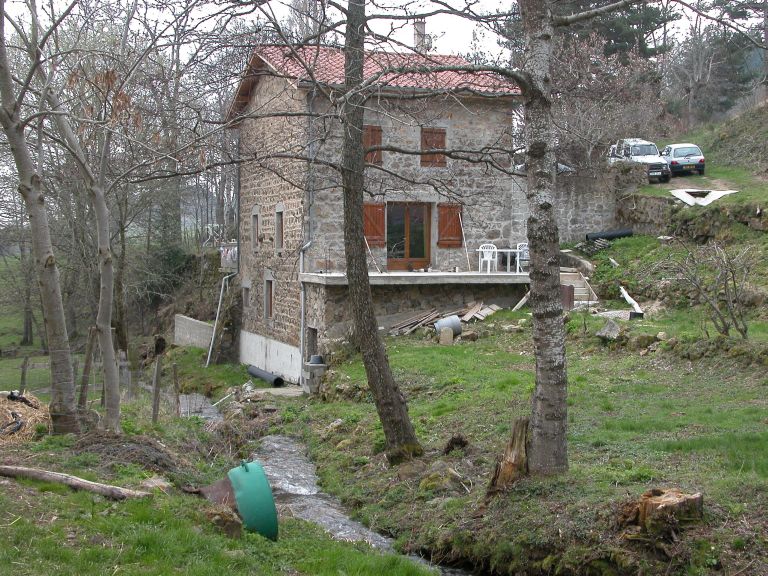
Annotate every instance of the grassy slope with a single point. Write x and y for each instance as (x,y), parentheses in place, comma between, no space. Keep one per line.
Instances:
(49,529)
(636,422)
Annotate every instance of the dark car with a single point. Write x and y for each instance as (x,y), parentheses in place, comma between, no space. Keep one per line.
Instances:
(684,158)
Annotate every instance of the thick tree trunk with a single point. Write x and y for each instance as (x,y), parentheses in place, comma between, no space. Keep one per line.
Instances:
(547,449)
(390,404)
(121,320)
(62,406)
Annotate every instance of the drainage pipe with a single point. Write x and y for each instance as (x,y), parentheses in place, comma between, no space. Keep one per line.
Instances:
(273,379)
(303,314)
(218,311)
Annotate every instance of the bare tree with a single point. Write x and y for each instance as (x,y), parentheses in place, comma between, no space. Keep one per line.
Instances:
(719,279)
(16,119)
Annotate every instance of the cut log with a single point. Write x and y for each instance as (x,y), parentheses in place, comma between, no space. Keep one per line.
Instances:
(513,464)
(106,490)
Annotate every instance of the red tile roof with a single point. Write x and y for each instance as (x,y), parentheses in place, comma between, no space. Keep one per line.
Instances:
(326,64)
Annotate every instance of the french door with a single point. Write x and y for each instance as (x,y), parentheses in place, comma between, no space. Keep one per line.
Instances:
(408,235)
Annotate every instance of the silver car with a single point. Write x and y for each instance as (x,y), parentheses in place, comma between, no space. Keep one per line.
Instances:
(683,158)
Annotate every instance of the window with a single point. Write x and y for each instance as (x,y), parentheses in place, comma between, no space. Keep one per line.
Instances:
(279,228)
(269,292)
(433,139)
(246,297)
(373,224)
(449,226)
(255,228)
(372,137)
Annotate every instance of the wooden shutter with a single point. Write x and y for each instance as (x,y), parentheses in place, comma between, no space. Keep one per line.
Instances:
(372,137)
(449,226)
(373,224)
(432,138)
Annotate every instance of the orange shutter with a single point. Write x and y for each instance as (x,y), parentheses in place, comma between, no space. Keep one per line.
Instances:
(373,224)
(372,137)
(449,226)
(433,138)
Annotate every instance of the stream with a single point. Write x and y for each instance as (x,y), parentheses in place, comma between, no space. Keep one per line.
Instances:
(293,479)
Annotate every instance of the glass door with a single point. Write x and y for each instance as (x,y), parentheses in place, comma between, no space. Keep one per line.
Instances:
(408,234)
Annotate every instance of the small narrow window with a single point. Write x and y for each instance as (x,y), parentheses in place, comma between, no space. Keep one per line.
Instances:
(246,297)
(372,137)
(433,139)
(269,287)
(279,230)
(255,229)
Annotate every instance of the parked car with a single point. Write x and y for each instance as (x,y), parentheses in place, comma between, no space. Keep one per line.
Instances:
(683,158)
(640,152)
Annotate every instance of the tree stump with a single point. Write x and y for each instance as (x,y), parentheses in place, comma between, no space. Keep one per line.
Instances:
(661,512)
(513,464)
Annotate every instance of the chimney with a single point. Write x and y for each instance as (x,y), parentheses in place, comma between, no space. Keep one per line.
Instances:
(421,42)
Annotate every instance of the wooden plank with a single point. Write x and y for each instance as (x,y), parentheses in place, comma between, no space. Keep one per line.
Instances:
(472,311)
(522,302)
(495,307)
(427,320)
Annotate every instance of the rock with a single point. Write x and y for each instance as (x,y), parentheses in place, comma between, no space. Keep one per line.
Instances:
(440,477)
(610,331)
(446,336)
(156,482)
(662,336)
(641,341)
(457,442)
(333,427)
(410,469)
(522,322)
(469,335)
(344,444)
(225,520)
(512,328)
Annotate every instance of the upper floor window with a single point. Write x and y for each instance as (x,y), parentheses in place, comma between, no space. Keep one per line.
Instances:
(372,137)
(433,139)
(279,227)
(255,228)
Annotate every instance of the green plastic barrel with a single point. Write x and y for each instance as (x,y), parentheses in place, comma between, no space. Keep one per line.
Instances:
(254,499)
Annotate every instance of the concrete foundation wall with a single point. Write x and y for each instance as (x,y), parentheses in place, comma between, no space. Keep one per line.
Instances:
(329,313)
(190,332)
(270,355)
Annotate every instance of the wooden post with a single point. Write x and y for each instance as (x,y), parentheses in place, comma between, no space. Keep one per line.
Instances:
(176,389)
(24,366)
(156,389)
(124,373)
(83,399)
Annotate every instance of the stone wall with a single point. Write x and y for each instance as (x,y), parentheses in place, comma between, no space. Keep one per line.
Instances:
(646,214)
(190,332)
(328,311)
(270,183)
(493,203)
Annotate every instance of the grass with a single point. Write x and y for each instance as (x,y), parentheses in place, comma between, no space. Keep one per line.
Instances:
(58,532)
(635,422)
(751,189)
(47,528)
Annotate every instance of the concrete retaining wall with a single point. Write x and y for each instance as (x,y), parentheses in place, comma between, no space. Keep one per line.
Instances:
(270,355)
(190,332)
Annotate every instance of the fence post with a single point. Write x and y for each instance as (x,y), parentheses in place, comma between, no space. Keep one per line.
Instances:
(24,366)
(156,390)
(176,389)
(83,399)
(124,373)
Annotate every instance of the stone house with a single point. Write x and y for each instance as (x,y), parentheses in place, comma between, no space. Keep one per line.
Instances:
(426,213)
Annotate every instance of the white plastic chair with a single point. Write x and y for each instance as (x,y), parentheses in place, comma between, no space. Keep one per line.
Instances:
(488,255)
(523,256)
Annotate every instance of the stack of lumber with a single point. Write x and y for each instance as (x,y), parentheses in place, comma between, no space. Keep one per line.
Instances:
(472,311)
(591,247)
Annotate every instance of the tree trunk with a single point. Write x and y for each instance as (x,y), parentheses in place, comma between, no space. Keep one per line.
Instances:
(547,449)
(62,406)
(106,490)
(400,437)
(28,336)
(120,319)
